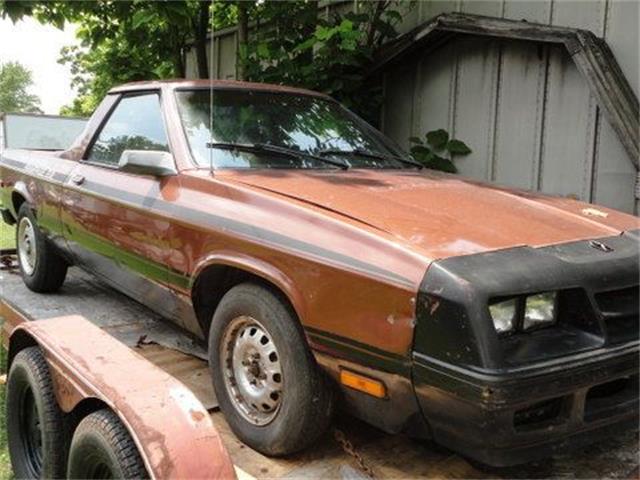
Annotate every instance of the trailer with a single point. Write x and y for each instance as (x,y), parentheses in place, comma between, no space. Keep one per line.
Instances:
(155,377)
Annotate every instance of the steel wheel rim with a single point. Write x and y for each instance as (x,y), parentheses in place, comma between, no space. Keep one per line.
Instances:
(27,248)
(31,433)
(252,370)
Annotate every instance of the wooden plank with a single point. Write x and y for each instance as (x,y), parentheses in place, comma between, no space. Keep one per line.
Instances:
(570,111)
(519,102)
(623,37)
(519,114)
(191,371)
(474,114)
(399,103)
(431,8)
(615,175)
(397,456)
(490,8)
(537,11)
(433,91)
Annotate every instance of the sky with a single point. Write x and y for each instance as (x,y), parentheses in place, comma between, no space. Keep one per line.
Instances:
(37,47)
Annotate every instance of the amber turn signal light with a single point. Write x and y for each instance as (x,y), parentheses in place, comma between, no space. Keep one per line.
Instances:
(364,384)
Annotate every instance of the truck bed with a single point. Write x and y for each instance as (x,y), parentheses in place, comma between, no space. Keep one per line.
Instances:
(388,456)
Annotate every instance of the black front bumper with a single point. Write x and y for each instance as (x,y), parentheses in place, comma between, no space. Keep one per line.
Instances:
(505,418)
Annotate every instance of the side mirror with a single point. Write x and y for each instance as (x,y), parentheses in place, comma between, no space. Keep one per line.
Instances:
(148,162)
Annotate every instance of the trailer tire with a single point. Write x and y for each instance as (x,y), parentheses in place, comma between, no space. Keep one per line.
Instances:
(291,418)
(35,425)
(102,448)
(43,270)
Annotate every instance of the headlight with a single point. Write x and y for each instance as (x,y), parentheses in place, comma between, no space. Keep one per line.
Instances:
(504,315)
(524,312)
(539,310)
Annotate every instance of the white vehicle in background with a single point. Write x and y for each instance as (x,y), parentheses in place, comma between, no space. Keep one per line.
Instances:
(35,131)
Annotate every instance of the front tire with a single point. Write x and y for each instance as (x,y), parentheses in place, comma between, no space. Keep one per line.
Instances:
(35,425)
(102,448)
(41,267)
(270,390)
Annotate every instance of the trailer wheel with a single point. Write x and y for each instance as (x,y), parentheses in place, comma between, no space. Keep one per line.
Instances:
(270,389)
(35,426)
(102,448)
(41,267)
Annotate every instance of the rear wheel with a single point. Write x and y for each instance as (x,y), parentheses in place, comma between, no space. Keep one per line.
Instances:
(102,448)
(42,268)
(270,389)
(34,420)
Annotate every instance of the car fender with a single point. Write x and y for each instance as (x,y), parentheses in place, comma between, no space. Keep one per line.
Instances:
(257,267)
(21,188)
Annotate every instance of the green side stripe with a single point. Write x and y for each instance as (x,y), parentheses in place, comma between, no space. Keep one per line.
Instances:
(144,266)
(360,352)
(48,219)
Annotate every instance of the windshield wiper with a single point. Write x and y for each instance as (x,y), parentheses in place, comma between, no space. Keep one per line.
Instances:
(266,147)
(365,153)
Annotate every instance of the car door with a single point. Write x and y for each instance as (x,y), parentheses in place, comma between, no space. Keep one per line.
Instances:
(110,218)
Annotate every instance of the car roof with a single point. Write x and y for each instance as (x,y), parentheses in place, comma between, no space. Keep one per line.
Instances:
(187,84)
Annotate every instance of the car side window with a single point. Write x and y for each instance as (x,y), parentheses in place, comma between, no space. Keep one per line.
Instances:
(134,124)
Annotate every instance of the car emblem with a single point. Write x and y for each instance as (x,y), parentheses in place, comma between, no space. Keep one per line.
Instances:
(600,246)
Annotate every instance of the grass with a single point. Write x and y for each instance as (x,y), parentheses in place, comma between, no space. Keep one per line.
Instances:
(5,465)
(7,236)
(7,240)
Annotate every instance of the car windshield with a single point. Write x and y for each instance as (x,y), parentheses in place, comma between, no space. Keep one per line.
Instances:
(263,129)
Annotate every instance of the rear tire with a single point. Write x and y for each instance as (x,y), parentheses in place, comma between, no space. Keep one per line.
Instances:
(270,389)
(35,426)
(102,448)
(43,270)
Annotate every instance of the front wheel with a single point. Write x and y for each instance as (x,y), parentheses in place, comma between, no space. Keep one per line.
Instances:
(269,387)
(41,267)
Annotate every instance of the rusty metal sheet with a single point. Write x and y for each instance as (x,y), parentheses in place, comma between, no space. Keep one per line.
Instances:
(171,428)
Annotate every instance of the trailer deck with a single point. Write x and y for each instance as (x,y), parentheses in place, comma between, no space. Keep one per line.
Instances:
(365,449)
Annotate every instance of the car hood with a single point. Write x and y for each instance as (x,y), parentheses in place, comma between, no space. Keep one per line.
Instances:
(441,215)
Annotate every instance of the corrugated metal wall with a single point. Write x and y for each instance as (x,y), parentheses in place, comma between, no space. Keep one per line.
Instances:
(524,109)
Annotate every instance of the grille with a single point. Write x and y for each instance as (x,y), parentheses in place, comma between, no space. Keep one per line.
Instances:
(620,311)
(538,415)
(611,398)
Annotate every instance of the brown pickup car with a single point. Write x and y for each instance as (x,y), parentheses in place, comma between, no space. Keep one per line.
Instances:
(320,262)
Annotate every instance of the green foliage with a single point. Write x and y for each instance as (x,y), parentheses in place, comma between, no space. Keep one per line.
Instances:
(290,42)
(438,150)
(299,46)
(15,81)
(121,41)
(7,236)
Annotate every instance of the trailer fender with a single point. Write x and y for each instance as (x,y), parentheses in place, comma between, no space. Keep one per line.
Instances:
(172,430)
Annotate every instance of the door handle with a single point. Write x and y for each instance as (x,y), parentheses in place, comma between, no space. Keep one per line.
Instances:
(77,179)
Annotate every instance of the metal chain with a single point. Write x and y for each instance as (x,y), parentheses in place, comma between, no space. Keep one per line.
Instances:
(7,262)
(350,450)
